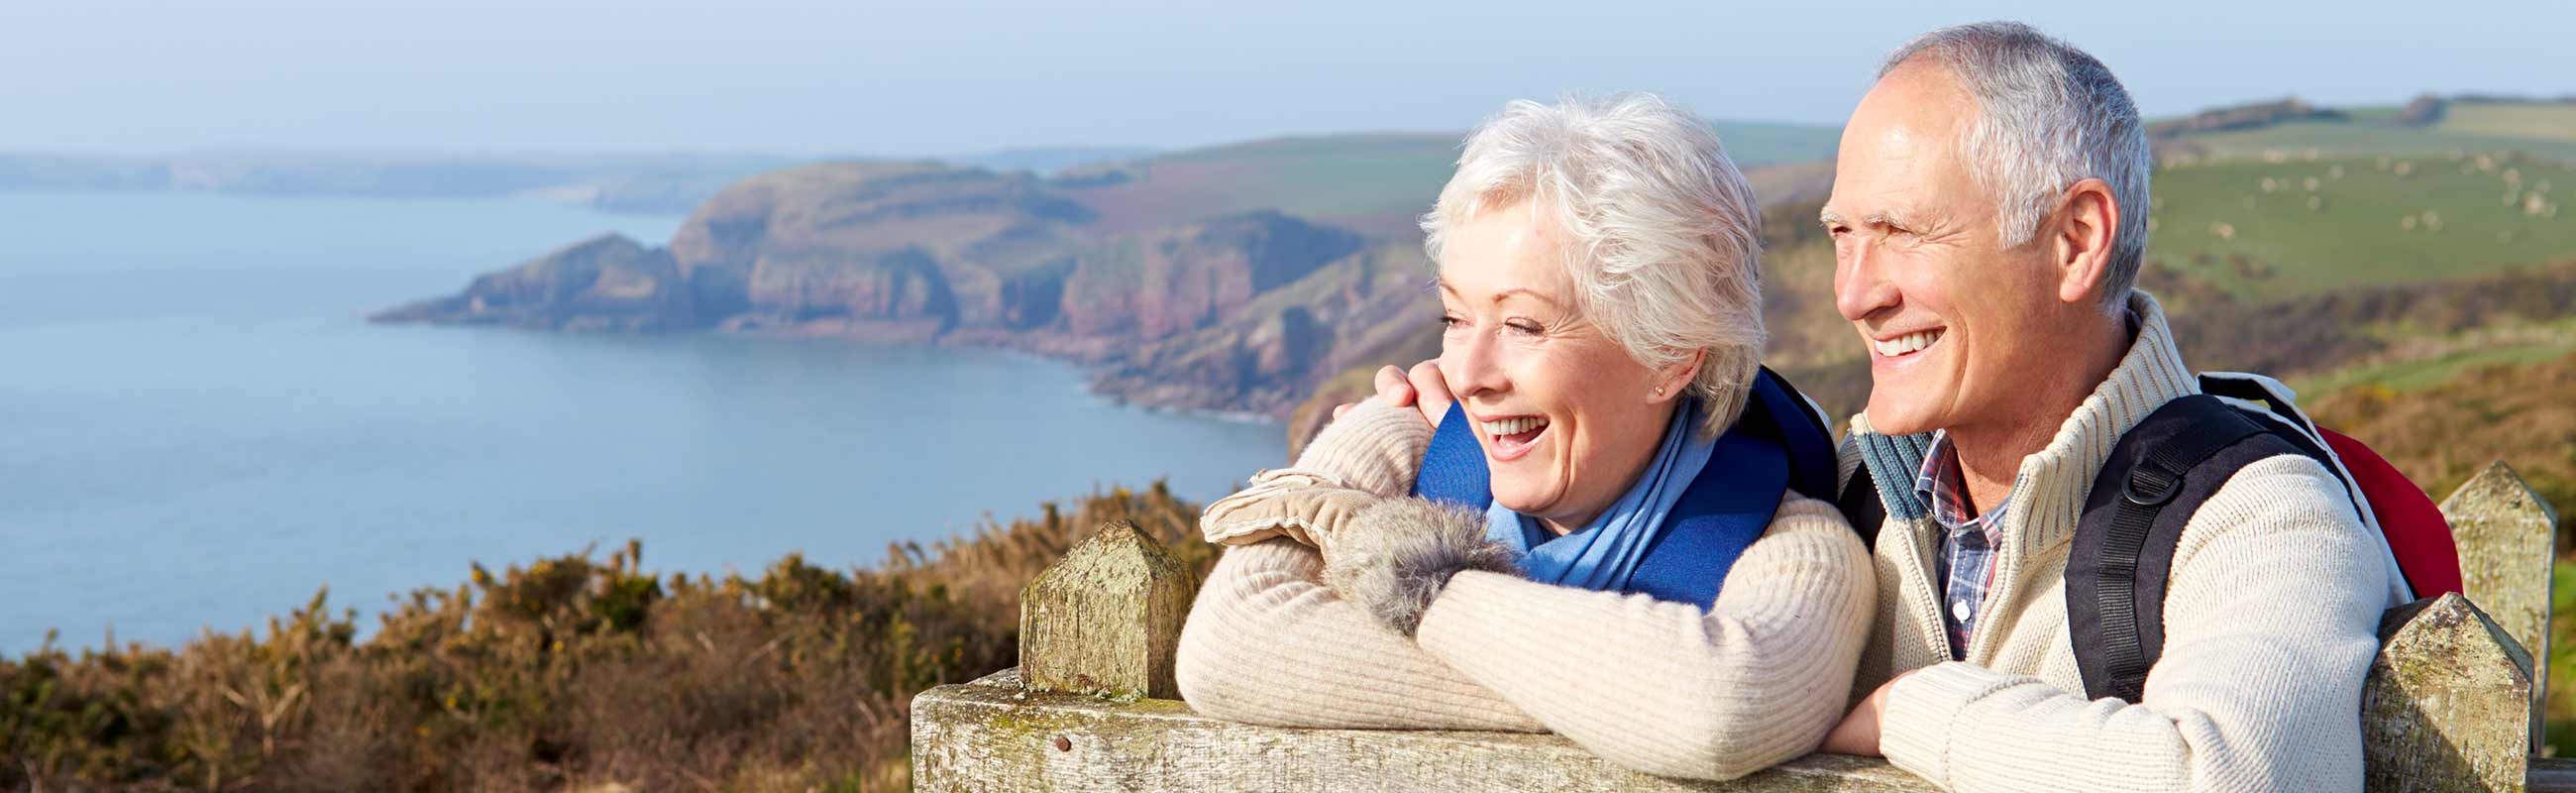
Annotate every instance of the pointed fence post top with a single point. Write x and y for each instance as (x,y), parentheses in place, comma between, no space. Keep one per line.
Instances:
(1117,557)
(2446,706)
(2498,493)
(2448,627)
(1106,619)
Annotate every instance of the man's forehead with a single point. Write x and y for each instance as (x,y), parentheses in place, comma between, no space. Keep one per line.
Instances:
(1902,142)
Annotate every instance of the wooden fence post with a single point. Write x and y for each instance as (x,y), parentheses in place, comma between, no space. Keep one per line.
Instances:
(2446,705)
(2507,539)
(1106,618)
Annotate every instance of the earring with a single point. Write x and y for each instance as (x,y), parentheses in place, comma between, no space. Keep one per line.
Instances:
(1659,391)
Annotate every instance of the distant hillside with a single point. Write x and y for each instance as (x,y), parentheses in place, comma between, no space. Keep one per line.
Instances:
(2430,126)
(1375,183)
(1231,278)
(1250,276)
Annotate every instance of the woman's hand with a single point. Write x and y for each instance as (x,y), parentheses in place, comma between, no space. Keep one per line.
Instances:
(1288,502)
(1421,387)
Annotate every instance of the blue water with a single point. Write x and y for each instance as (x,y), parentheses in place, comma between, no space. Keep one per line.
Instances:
(197,429)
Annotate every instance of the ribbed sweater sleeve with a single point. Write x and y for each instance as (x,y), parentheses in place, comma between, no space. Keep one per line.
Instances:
(1670,688)
(1267,643)
(1376,447)
(2271,616)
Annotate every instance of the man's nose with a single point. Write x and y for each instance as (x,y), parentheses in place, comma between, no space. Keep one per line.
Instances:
(1861,287)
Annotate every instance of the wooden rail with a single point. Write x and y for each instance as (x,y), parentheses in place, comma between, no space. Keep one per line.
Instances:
(2451,703)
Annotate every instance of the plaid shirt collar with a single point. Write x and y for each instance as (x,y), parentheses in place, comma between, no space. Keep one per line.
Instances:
(1942,485)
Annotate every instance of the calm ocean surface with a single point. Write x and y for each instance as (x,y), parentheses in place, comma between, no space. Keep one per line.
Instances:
(197,429)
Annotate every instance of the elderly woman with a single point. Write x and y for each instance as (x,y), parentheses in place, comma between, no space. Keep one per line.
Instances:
(1616,546)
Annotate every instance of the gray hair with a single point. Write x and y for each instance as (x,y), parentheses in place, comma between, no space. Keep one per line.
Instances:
(2048,116)
(1663,235)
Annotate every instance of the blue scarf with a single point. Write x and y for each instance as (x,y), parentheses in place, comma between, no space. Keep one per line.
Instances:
(1697,506)
(1605,554)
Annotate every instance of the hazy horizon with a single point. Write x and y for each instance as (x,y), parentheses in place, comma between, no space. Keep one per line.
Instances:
(820,79)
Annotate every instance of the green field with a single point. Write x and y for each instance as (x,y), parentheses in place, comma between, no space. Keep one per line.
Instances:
(2438,363)
(2352,221)
(2544,130)
(2538,121)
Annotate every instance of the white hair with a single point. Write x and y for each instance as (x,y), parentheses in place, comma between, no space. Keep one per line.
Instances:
(1663,235)
(2048,116)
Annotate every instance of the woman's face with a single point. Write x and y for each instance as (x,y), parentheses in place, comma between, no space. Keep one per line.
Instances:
(1566,417)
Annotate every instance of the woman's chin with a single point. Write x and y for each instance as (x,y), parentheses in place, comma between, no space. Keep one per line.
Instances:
(1527,500)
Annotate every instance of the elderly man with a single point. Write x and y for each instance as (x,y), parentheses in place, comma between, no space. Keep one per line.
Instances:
(1989,219)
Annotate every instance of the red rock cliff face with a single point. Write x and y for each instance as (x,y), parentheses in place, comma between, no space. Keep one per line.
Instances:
(1169,282)
(895,242)
(1196,314)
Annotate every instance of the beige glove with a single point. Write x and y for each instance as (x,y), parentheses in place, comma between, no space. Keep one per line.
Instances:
(1375,448)
(1300,504)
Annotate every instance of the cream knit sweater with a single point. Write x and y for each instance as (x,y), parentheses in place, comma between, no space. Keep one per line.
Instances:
(2271,616)
(1665,688)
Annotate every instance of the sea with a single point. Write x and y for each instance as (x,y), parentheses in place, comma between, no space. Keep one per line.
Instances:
(199,429)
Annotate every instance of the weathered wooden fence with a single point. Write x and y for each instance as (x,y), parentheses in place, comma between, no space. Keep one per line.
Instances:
(2451,703)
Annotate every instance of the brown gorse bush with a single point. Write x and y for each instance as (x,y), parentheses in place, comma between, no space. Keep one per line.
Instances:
(565,673)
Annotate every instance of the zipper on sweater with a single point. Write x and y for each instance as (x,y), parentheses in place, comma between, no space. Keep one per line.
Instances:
(1918,535)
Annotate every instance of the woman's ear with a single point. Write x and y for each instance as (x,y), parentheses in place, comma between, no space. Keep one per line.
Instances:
(1675,378)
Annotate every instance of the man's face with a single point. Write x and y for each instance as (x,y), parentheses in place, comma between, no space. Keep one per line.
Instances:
(1953,319)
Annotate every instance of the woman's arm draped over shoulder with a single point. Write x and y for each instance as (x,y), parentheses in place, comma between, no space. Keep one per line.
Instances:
(1268,643)
(1669,688)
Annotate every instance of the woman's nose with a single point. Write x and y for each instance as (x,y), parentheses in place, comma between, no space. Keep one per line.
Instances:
(1475,368)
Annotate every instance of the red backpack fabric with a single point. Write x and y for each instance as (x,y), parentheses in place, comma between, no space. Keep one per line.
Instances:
(2414,525)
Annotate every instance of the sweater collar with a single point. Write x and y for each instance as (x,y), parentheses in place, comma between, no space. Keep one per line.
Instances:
(2050,487)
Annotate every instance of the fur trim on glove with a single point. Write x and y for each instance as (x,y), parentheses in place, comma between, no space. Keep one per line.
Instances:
(1393,557)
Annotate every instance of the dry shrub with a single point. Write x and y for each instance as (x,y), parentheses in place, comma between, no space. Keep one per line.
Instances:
(565,673)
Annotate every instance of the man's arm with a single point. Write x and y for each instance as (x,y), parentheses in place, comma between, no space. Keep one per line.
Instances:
(2271,618)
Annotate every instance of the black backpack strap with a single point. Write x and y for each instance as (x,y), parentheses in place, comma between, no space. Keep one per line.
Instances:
(2157,476)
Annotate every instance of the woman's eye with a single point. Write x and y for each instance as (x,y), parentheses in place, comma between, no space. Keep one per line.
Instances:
(1523,326)
(1451,321)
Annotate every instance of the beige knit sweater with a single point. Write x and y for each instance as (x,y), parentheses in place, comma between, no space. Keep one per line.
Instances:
(1664,688)
(2271,615)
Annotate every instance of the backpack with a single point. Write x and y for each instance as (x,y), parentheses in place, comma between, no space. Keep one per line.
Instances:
(1778,445)
(2159,474)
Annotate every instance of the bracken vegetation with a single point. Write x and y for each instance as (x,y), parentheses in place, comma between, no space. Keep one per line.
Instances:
(569,673)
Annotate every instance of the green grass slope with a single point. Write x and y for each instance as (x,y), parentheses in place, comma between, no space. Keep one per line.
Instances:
(2267,231)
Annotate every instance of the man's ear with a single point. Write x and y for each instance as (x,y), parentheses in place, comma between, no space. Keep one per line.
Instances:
(2080,234)
(1675,378)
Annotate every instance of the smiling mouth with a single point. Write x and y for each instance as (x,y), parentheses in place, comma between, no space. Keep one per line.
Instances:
(1513,437)
(1906,345)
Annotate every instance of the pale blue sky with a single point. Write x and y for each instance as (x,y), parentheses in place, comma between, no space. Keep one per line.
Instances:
(823,77)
